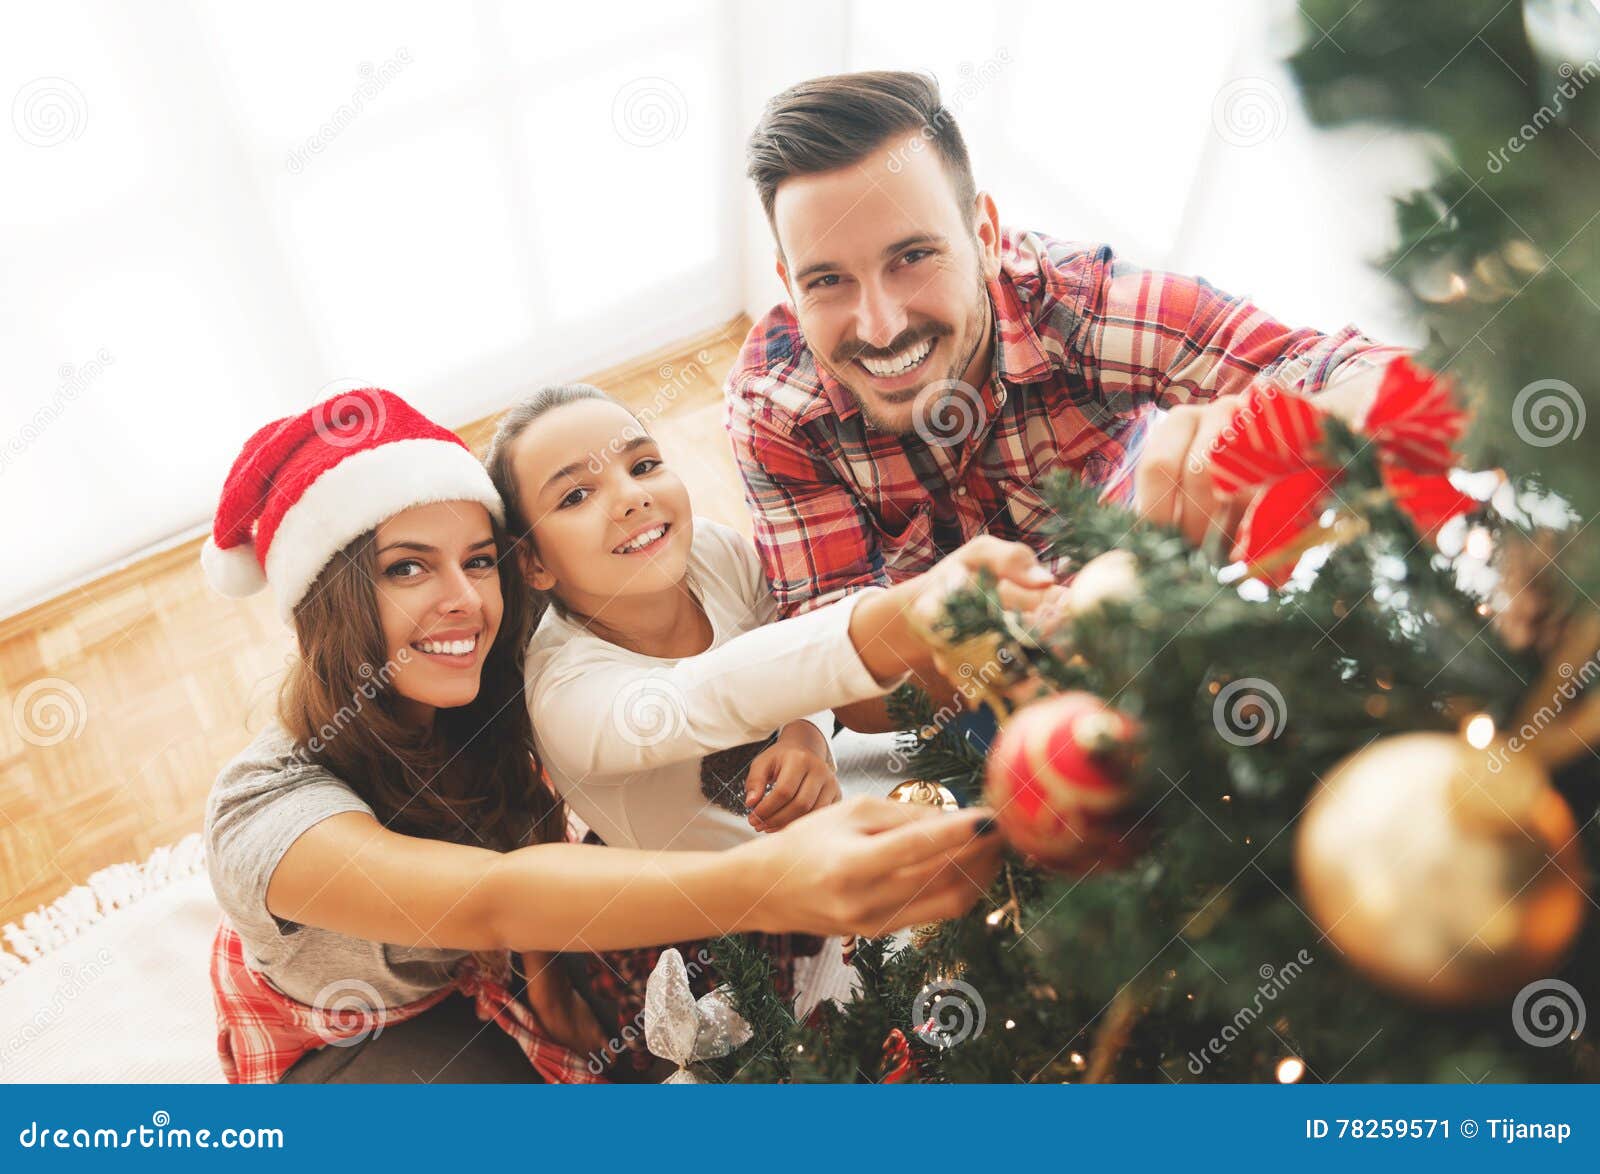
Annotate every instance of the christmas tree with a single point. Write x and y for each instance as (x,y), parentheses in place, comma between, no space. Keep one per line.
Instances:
(1320,810)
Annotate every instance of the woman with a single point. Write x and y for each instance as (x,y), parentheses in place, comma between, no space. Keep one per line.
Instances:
(389,838)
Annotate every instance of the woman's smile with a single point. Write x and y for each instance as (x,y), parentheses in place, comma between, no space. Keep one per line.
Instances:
(455,649)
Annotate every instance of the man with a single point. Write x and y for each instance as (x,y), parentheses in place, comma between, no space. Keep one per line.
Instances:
(930,366)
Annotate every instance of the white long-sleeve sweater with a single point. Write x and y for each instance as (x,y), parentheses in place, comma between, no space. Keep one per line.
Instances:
(623,735)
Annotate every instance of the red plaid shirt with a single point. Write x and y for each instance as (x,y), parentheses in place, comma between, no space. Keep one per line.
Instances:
(261,1032)
(1088,349)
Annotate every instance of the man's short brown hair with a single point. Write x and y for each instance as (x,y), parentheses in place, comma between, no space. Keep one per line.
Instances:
(831,122)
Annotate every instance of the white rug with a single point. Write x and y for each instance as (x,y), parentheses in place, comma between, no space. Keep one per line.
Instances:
(110,985)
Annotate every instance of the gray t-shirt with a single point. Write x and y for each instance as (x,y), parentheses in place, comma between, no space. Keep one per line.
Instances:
(260,804)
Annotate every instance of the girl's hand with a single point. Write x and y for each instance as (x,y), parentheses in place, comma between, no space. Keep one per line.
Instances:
(885,624)
(559,1008)
(1023,583)
(867,866)
(790,778)
(1052,609)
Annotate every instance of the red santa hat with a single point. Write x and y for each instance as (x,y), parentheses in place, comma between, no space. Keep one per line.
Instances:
(306,486)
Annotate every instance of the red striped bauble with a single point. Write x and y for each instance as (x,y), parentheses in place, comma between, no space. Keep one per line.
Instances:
(1058,777)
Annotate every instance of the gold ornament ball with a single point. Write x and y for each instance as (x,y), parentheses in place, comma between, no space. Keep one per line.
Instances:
(1446,873)
(925,793)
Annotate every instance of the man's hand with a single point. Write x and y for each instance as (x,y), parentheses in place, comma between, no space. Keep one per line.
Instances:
(790,778)
(1172,485)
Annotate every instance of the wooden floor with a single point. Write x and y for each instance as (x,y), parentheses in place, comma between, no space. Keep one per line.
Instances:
(120,700)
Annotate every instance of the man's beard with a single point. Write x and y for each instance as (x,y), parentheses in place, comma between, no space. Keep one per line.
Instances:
(967,346)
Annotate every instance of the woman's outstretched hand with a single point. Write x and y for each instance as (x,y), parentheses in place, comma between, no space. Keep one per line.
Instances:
(868,866)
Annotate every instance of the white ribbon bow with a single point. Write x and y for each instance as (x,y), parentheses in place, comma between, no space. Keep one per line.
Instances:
(678,1028)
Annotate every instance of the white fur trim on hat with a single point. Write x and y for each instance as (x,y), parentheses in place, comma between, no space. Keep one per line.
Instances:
(234,572)
(361,491)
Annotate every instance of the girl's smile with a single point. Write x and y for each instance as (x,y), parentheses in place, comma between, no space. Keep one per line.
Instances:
(645,541)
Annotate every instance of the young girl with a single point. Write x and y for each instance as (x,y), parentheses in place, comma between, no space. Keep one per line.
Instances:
(392,823)
(656,675)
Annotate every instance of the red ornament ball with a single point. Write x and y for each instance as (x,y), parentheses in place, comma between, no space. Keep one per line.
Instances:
(1058,780)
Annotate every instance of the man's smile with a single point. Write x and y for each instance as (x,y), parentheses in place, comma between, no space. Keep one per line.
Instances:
(899,377)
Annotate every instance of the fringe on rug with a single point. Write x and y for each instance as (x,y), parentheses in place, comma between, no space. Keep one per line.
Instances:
(111,888)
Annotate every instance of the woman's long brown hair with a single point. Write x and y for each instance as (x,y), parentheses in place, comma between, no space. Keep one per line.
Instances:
(473,778)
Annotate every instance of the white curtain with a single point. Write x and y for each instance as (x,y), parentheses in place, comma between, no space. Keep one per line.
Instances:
(213,214)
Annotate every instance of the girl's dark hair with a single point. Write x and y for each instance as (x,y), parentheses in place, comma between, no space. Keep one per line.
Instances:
(503,472)
(474,778)
(831,122)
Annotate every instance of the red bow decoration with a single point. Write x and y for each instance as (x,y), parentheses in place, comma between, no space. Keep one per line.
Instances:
(897,1066)
(1274,443)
